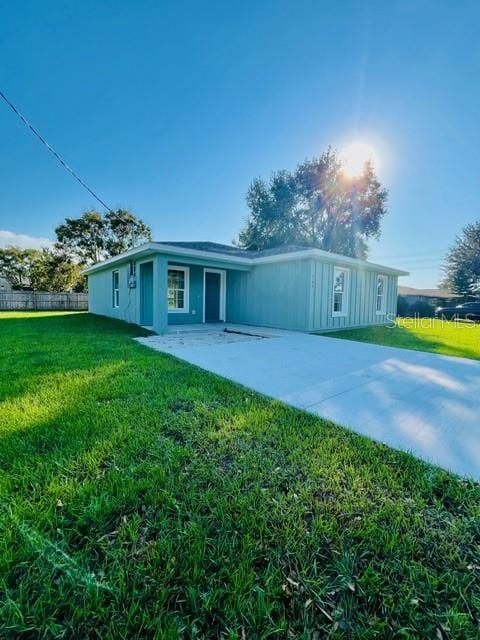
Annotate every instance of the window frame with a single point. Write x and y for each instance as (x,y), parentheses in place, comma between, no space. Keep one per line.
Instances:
(116,289)
(186,289)
(383,309)
(345,294)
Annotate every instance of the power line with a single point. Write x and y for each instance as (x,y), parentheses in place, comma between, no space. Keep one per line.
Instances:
(52,150)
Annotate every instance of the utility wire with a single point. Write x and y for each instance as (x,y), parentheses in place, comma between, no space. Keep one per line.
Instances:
(52,150)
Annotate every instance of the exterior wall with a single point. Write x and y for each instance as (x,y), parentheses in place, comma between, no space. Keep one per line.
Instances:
(5,285)
(100,290)
(272,295)
(295,295)
(361,310)
(100,295)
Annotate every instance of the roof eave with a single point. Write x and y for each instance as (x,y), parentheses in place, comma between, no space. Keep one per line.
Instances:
(158,247)
(330,257)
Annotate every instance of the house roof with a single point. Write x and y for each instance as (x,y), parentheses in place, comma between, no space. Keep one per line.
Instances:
(236,255)
(427,293)
(228,250)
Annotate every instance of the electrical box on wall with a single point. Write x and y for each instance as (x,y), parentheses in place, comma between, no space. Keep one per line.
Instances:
(132,278)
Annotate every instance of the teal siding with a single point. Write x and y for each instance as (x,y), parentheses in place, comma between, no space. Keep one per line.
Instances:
(100,295)
(295,295)
(272,295)
(361,298)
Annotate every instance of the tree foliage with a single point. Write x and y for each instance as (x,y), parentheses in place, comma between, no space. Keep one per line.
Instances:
(40,270)
(55,271)
(462,265)
(93,237)
(16,265)
(317,205)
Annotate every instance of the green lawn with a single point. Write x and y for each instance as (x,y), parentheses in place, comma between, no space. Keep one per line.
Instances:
(424,334)
(144,498)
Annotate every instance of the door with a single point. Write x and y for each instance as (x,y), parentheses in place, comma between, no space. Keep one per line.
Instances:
(213,296)
(146,294)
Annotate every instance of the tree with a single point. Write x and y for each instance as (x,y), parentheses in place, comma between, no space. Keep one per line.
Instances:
(45,270)
(124,230)
(16,265)
(93,237)
(462,266)
(55,271)
(83,237)
(317,205)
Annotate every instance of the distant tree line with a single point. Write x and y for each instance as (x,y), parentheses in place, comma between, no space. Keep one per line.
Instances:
(316,205)
(79,242)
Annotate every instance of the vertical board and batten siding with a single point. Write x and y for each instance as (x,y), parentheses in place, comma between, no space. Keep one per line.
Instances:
(271,295)
(361,305)
(296,294)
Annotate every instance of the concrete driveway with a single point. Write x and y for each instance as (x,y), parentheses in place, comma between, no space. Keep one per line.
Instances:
(419,402)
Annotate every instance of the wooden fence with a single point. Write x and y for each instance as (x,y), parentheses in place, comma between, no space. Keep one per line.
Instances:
(42,301)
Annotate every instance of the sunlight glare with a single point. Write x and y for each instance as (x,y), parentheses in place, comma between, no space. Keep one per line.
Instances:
(354,156)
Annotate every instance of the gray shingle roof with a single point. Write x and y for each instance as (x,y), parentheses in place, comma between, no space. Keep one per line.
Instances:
(216,247)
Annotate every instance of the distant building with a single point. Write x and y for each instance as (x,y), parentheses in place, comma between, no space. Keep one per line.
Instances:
(5,284)
(433,297)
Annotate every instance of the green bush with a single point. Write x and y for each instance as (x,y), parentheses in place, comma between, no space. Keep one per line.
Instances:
(402,306)
(421,309)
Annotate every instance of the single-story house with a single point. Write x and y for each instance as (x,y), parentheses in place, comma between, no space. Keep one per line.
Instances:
(159,284)
(433,297)
(5,284)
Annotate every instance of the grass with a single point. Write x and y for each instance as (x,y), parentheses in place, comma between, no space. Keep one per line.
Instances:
(141,497)
(422,334)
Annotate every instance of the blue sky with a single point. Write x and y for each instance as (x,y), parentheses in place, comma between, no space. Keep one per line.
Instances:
(172,108)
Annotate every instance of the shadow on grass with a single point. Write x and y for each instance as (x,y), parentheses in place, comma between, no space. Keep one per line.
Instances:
(38,346)
(151,497)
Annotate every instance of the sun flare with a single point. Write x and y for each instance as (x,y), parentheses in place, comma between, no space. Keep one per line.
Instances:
(354,156)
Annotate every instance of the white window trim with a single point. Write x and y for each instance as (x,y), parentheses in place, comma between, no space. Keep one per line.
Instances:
(346,294)
(383,310)
(116,290)
(223,292)
(186,296)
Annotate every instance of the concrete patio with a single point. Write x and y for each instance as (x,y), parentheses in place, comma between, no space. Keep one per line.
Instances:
(419,402)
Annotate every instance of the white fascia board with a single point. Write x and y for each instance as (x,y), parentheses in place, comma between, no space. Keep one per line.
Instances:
(156,247)
(337,258)
(196,253)
(148,247)
(319,254)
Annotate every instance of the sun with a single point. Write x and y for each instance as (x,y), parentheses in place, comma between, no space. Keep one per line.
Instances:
(354,156)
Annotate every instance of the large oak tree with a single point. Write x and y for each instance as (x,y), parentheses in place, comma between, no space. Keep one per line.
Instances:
(317,205)
(93,237)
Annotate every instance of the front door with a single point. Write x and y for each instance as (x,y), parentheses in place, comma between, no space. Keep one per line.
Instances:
(146,294)
(213,296)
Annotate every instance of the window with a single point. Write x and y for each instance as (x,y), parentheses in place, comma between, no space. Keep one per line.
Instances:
(340,291)
(116,288)
(178,289)
(381,295)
